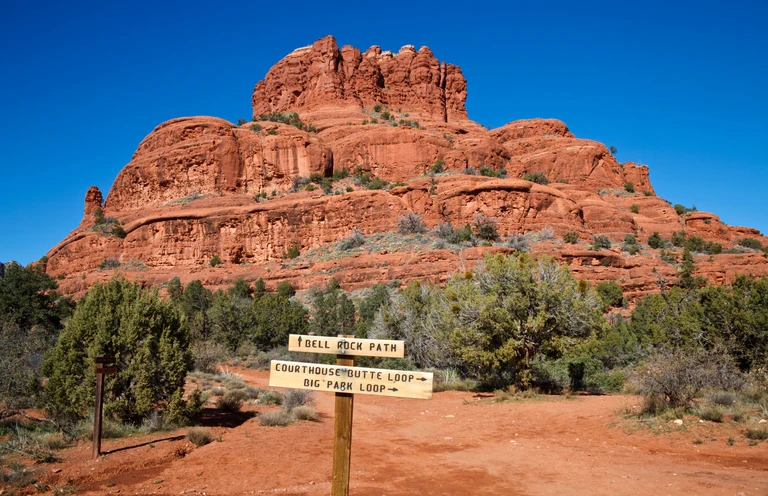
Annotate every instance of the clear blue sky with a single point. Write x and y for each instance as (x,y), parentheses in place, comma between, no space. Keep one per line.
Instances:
(680,88)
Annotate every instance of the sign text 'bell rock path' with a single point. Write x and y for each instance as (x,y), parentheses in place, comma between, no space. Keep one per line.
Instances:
(356,380)
(346,346)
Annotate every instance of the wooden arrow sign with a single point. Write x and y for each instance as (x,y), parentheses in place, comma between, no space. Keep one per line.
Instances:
(357,380)
(347,346)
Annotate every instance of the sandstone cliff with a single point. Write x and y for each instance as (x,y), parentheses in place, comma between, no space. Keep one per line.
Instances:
(201,187)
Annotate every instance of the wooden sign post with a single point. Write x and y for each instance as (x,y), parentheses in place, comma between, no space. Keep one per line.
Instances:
(342,433)
(346,380)
(101,369)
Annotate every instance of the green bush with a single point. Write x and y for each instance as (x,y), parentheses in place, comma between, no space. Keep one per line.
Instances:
(610,293)
(678,238)
(635,208)
(147,337)
(751,243)
(437,167)
(711,413)
(485,227)
(519,306)
(757,432)
(536,177)
(629,187)
(292,252)
(571,237)
(378,107)
(290,118)
(256,128)
(215,261)
(232,401)
(310,187)
(655,241)
(600,242)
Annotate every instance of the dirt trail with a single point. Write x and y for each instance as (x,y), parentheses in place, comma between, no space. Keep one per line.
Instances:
(454,444)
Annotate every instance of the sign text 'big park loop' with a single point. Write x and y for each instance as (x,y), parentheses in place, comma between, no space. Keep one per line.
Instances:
(359,380)
(346,380)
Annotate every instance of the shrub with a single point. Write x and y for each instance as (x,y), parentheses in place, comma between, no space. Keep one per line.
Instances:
(600,242)
(536,177)
(298,183)
(635,208)
(109,263)
(411,223)
(470,171)
(119,232)
(304,413)
(232,401)
(207,354)
(200,436)
(150,341)
(724,398)
(285,289)
(485,227)
(297,397)
(655,241)
(610,294)
(338,175)
(712,413)
(751,243)
(278,418)
(378,107)
(682,210)
(676,376)
(545,234)
(511,311)
(256,128)
(571,237)
(437,167)
(450,380)
(518,242)
(757,432)
(215,261)
(292,252)
(270,397)
(310,187)
(290,118)
(630,239)
(629,187)
(357,238)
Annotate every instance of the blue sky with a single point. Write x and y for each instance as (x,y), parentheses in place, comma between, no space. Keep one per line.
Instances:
(680,86)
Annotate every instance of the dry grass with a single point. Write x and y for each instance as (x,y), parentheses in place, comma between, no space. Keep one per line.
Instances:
(278,418)
(200,436)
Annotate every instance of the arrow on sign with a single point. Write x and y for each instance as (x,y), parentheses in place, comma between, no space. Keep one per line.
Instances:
(422,379)
(299,340)
(392,389)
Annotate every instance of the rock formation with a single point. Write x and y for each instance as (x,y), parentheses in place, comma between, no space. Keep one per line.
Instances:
(201,186)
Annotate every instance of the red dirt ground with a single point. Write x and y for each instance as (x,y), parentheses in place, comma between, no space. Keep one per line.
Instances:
(454,444)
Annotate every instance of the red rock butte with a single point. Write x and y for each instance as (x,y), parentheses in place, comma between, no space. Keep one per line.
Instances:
(200,187)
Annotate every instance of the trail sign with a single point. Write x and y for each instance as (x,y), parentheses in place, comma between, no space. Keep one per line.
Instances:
(101,370)
(345,379)
(347,346)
